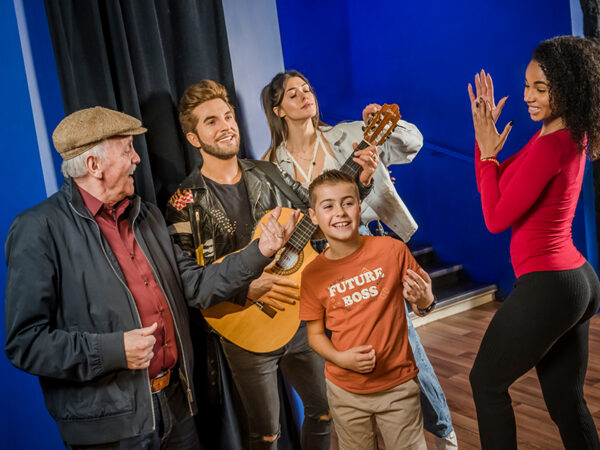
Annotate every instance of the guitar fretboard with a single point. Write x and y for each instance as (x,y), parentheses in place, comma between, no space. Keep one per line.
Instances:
(305,228)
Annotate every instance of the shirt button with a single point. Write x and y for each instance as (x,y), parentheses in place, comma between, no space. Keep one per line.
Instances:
(146,282)
(132,256)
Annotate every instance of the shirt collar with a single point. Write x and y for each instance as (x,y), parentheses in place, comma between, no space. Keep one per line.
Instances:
(96,206)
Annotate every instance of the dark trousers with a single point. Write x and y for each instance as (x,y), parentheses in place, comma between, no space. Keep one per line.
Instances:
(544,323)
(174,426)
(255,376)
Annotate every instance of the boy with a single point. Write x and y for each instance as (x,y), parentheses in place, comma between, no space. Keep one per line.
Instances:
(358,285)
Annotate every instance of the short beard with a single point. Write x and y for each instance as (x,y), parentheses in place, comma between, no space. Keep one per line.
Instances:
(214,151)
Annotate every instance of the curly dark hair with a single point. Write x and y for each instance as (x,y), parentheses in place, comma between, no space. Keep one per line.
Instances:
(572,66)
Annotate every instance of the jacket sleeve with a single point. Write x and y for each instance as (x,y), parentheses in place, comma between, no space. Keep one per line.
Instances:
(402,145)
(205,286)
(180,227)
(298,189)
(33,341)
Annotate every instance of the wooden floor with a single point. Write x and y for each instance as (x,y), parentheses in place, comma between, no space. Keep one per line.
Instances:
(451,345)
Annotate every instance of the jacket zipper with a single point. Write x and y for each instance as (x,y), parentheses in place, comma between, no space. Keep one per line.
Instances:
(188,391)
(147,377)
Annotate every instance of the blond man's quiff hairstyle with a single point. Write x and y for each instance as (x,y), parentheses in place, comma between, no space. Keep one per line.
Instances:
(195,95)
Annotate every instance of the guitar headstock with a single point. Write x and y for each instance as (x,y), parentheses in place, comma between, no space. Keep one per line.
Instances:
(382,124)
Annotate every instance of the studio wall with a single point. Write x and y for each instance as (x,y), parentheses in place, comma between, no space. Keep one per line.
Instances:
(26,423)
(422,57)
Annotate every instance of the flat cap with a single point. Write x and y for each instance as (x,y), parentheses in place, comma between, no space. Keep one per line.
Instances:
(85,128)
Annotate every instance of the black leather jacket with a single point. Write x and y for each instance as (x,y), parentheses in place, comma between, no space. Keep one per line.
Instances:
(67,306)
(193,211)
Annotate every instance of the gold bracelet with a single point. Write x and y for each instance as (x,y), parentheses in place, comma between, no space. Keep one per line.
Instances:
(492,159)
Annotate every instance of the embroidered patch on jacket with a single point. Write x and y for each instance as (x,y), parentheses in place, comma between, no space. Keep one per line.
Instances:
(181,198)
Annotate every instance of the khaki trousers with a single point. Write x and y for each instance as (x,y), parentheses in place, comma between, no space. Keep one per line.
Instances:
(396,411)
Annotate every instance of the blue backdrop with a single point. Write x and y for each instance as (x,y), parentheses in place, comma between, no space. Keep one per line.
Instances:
(26,423)
(422,57)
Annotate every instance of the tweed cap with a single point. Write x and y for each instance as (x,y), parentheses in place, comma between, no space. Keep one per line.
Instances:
(85,128)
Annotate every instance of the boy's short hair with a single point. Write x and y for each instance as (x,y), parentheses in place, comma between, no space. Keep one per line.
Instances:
(195,95)
(333,176)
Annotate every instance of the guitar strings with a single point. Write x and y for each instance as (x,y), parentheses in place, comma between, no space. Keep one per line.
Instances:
(305,228)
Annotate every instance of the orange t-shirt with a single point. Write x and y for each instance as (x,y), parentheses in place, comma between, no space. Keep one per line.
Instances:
(360,297)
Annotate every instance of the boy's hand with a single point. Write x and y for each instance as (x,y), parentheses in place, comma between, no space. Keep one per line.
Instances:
(359,359)
(417,288)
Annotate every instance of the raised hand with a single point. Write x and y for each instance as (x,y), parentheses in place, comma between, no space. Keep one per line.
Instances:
(489,140)
(369,112)
(417,288)
(367,159)
(484,88)
(138,345)
(274,235)
(273,290)
(358,359)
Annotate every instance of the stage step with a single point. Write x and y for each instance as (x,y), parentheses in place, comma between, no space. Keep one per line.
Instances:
(454,290)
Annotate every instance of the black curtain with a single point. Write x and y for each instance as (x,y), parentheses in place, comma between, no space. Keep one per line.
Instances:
(138,56)
(591,30)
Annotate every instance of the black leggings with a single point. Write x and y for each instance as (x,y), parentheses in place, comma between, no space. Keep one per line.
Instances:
(544,323)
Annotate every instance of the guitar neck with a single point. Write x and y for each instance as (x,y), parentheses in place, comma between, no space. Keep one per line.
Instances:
(305,228)
(301,235)
(351,167)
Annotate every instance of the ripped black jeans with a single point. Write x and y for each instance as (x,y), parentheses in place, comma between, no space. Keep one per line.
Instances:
(255,375)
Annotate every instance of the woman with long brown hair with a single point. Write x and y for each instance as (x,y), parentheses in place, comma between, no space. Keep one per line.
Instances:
(304,147)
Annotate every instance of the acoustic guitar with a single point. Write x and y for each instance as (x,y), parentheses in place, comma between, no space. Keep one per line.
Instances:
(257,327)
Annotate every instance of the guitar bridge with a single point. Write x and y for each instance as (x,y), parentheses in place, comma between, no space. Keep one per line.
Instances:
(268,310)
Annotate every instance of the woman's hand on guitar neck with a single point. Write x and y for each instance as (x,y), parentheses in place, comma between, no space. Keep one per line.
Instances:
(369,112)
(367,159)
(274,235)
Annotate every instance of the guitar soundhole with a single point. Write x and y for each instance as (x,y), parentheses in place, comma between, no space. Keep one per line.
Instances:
(289,262)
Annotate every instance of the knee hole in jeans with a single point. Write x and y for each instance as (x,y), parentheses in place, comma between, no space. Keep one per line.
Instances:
(325,417)
(271,438)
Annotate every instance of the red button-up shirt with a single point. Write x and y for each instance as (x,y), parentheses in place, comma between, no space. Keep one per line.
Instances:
(151,303)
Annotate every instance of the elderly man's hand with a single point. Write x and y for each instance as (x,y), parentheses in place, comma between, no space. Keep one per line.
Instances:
(138,346)
(274,235)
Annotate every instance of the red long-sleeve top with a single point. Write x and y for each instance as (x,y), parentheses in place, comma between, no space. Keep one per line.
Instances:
(535,193)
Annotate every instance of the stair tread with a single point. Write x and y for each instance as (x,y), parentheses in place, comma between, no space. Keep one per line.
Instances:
(439,268)
(459,292)
(462,290)
(420,249)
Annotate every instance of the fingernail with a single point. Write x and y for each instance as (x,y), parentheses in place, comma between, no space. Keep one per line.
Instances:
(511,123)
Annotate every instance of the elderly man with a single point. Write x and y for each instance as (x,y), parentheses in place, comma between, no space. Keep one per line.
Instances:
(96,295)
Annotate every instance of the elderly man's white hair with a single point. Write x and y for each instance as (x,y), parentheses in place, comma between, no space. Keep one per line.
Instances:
(75,167)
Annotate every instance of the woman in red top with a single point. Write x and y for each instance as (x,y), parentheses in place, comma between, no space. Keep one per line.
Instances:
(544,323)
